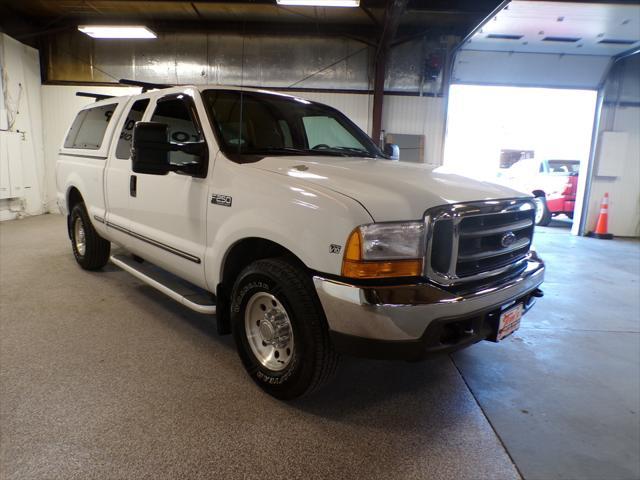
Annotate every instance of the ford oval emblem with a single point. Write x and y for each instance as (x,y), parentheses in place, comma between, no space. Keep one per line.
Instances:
(508,239)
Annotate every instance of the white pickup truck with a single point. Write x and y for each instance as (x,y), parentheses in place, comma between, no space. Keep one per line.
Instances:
(281,217)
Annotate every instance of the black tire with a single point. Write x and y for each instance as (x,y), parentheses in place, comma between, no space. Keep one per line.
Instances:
(543,215)
(96,249)
(313,360)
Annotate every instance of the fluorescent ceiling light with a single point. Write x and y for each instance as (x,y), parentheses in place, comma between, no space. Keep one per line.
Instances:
(117,31)
(321,3)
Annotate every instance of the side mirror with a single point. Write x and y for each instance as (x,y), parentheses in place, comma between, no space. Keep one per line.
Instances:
(150,151)
(150,148)
(392,151)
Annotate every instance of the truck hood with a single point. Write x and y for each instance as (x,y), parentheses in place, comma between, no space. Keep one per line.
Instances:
(388,190)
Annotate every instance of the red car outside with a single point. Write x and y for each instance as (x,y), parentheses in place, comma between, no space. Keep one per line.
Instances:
(553,182)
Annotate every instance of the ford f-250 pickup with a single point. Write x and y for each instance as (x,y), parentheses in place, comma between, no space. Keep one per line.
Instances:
(285,220)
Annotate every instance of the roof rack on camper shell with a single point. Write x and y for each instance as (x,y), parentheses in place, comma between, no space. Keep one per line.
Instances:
(146,86)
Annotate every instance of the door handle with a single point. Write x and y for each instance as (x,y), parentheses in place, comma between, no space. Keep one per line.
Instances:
(133,185)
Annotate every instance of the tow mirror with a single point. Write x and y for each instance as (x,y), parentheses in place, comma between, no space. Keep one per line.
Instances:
(150,148)
(392,151)
(150,151)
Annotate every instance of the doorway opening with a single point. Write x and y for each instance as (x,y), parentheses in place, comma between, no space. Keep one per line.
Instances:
(536,140)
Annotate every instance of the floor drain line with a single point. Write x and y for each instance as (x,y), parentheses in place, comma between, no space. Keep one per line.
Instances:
(487,417)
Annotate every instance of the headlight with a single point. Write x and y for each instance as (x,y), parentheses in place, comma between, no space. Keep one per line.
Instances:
(382,250)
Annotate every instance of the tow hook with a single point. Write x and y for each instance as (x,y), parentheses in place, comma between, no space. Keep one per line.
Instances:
(531,299)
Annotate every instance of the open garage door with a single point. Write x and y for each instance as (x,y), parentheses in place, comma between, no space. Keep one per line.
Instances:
(546,45)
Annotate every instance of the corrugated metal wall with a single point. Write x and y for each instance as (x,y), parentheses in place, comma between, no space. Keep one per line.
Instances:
(303,65)
(230,59)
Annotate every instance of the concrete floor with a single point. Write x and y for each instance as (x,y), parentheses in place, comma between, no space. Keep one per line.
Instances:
(103,377)
(564,393)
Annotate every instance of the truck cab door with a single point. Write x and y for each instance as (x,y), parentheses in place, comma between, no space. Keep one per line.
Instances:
(119,178)
(167,213)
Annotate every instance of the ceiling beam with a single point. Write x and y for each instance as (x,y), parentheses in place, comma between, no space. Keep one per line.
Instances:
(364,33)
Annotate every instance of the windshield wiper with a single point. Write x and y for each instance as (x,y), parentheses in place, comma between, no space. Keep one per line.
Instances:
(267,150)
(292,151)
(352,150)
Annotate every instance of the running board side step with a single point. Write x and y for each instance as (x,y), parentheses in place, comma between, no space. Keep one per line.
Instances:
(183,292)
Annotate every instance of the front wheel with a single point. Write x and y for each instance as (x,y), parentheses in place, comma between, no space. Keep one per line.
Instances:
(543,215)
(90,249)
(280,330)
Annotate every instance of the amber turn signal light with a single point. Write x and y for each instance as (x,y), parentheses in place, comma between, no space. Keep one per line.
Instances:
(354,267)
(378,269)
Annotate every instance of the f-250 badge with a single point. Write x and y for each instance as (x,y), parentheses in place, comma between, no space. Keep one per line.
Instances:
(333,248)
(223,200)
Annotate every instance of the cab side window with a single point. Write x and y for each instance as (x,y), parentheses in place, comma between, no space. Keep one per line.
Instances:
(177,114)
(123,149)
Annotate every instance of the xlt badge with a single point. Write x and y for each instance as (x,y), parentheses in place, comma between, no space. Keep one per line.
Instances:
(223,200)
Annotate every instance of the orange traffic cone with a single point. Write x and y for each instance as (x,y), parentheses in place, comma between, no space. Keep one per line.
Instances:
(603,219)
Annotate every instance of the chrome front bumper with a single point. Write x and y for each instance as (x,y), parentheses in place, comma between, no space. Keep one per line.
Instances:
(404,313)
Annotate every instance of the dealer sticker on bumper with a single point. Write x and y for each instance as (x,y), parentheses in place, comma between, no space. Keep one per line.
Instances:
(510,321)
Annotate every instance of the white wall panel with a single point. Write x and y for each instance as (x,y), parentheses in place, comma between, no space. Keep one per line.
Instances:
(417,116)
(4,124)
(5,167)
(11,183)
(624,191)
(21,68)
(613,149)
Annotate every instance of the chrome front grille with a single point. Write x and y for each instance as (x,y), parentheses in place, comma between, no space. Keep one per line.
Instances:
(472,241)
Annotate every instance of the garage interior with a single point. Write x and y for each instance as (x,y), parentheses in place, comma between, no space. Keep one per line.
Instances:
(102,376)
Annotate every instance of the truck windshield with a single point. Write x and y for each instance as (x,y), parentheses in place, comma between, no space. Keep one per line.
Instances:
(263,124)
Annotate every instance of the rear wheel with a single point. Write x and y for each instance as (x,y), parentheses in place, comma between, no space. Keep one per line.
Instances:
(280,330)
(90,250)
(543,215)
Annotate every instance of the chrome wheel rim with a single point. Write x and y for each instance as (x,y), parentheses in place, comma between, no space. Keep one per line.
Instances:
(539,209)
(79,236)
(269,332)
